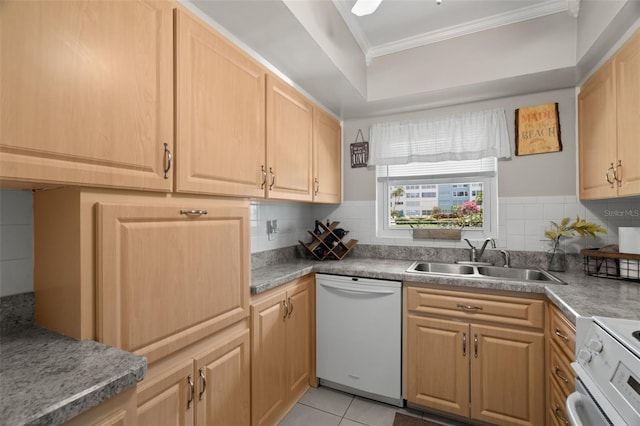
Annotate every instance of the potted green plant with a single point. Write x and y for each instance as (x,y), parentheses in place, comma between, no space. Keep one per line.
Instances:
(556,257)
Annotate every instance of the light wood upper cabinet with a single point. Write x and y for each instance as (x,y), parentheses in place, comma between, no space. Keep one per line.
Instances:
(327,158)
(627,65)
(86,93)
(220,113)
(609,122)
(597,130)
(282,345)
(289,143)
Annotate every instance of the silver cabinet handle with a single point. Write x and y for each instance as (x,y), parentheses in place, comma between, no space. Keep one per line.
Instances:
(560,374)
(263,174)
(606,176)
(558,412)
(618,176)
(317,183)
(203,381)
(464,344)
(273,178)
(169,158)
(560,335)
(290,309)
(469,307)
(475,345)
(194,212)
(286,309)
(192,391)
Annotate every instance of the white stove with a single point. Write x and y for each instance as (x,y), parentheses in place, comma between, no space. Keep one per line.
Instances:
(608,373)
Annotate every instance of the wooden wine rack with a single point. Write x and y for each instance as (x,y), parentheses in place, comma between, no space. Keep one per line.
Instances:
(328,242)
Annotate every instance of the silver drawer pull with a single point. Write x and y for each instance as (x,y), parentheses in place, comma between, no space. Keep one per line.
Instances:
(558,412)
(469,307)
(560,374)
(194,212)
(560,335)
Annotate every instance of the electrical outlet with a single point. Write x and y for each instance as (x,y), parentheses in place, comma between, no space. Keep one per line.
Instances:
(272,229)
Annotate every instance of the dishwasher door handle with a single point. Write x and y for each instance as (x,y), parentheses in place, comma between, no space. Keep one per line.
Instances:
(356,290)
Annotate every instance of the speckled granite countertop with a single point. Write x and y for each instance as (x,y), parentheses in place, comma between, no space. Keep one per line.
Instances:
(47,378)
(582,296)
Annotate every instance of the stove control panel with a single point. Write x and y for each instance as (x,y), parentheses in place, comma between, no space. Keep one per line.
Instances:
(614,369)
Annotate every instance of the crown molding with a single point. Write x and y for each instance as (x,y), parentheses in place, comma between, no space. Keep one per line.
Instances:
(352,23)
(549,7)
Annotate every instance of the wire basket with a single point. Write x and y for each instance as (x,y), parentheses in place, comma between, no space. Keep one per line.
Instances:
(619,266)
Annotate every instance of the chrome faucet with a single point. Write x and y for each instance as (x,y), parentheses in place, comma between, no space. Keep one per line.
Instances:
(507,258)
(475,254)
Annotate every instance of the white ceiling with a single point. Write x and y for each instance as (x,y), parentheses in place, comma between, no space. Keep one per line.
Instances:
(403,24)
(383,63)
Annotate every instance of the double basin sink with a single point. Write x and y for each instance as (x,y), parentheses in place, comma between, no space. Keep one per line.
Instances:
(483,271)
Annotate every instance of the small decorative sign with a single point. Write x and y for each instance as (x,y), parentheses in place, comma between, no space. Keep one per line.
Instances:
(538,129)
(359,152)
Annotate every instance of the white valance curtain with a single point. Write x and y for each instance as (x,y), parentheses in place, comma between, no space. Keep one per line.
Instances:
(465,136)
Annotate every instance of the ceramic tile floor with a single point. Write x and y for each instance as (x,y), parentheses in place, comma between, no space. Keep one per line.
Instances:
(327,407)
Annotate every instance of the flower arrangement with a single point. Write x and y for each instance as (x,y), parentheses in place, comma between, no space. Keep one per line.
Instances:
(568,230)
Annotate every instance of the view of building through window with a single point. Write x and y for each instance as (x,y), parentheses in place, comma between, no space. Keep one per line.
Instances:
(436,205)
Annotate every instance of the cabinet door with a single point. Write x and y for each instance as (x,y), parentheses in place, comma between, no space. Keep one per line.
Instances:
(438,364)
(327,158)
(166,279)
(164,395)
(628,108)
(507,383)
(597,132)
(223,391)
(289,142)
(268,367)
(87,92)
(298,355)
(220,114)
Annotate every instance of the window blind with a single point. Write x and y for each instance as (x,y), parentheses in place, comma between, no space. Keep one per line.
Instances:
(442,169)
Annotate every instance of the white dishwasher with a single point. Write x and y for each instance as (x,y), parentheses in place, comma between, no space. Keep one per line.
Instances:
(358,336)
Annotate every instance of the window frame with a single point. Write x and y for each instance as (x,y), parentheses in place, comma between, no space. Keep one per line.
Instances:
(489,205)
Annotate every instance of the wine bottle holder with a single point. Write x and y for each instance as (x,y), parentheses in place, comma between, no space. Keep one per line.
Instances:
(328,243)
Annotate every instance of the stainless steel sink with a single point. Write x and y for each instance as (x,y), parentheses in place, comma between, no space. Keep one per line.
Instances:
(516,273)
(442,268)
(477,271)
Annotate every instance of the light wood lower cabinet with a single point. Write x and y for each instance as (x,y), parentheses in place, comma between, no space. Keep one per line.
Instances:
(283,349)
(119,410)
(561,343)
(207,384)
(492,372)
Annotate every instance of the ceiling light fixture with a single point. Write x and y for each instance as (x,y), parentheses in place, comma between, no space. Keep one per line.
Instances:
(367,7)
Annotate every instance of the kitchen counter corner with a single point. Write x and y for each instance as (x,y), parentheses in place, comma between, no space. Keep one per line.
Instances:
(47,378)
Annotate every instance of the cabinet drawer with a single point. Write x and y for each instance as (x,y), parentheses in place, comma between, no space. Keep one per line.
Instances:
(562,331)
(560,370)
(557,415)
(470,306)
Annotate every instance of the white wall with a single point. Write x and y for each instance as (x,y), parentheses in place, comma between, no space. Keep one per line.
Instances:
(543,44)
(294,219)
(16,242)
(548,174)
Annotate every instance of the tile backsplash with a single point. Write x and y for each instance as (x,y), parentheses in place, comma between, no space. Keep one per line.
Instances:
(16,242)
(521,222)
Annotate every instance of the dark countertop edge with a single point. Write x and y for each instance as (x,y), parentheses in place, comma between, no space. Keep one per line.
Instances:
(271,277)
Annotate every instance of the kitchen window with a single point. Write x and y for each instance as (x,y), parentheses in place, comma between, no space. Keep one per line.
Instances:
(460,193)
